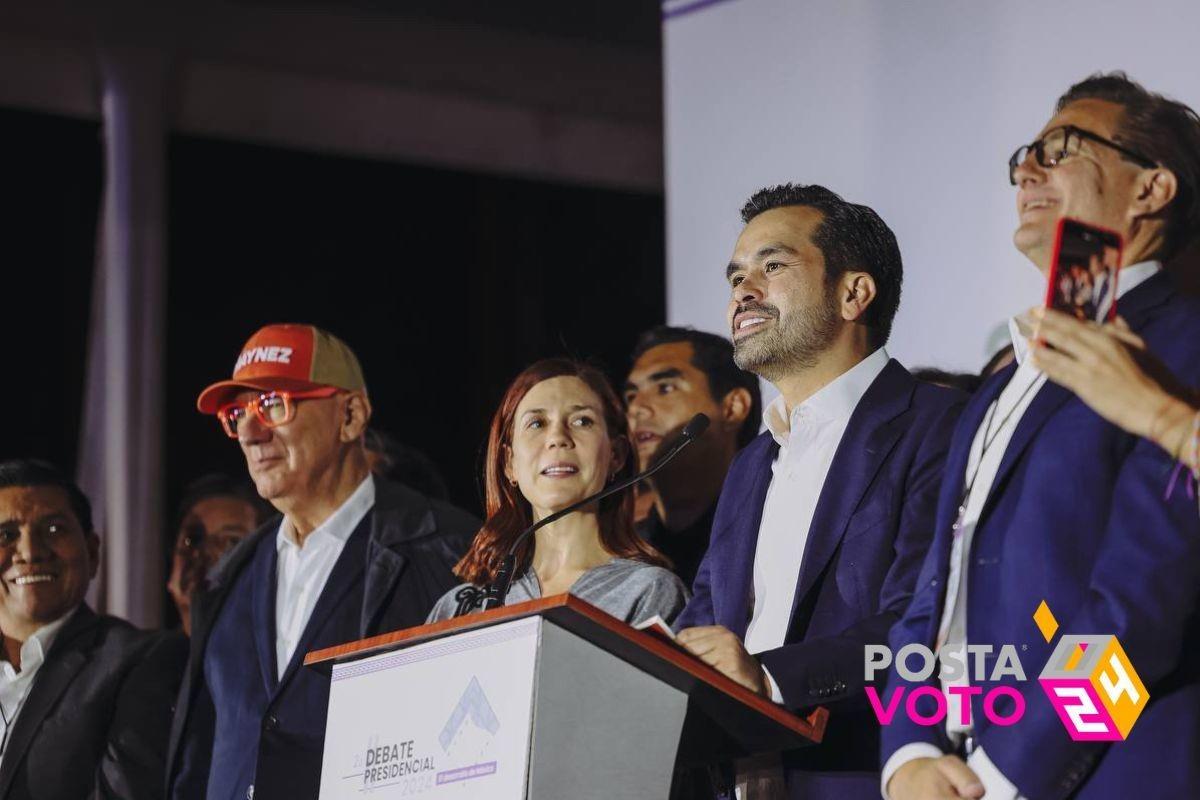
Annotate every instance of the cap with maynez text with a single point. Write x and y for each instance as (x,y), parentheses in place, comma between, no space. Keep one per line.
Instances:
(292,358)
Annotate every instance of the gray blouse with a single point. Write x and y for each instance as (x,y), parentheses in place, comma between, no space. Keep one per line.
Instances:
(629,590)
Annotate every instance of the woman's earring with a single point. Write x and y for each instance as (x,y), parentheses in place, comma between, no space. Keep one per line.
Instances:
(512,481)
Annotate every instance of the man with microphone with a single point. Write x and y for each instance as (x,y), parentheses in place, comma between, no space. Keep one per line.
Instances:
(824,520)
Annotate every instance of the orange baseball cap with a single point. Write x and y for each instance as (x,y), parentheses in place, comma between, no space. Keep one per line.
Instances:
(293,358)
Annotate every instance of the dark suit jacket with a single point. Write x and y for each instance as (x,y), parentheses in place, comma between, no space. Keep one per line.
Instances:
(392,577)
(869,532)
(95,721)
(1077,517)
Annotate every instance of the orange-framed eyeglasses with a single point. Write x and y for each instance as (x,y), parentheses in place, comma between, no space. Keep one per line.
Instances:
(272,409)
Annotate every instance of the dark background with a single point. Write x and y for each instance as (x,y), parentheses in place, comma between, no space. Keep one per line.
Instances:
(445,283)
(51,174)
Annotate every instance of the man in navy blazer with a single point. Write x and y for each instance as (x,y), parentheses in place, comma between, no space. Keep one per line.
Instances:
(1045,501)
(351,556)
(823,521)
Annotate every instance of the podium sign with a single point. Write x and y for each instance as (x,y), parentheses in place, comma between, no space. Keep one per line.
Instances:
(544,700)
(445,719)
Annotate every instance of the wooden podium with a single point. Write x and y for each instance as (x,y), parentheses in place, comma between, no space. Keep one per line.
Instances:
(544,700)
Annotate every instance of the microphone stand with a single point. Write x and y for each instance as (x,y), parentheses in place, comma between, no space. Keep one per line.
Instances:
(497,590)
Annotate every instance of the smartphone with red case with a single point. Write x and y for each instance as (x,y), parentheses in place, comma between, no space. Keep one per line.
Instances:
(1083,271)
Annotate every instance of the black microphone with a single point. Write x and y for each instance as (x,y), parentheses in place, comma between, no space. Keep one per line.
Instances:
(497,590)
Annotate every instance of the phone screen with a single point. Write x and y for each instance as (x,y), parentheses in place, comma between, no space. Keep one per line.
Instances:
(1083,273)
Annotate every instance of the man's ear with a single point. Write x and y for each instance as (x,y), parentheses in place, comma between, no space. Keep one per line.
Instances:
(93,548)
(1156,188)
(857,292)
(355,417)
(735,407)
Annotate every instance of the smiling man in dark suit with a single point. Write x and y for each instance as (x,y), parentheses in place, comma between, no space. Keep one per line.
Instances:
(823,521)
(85,699)
(1046,501)
(351,556)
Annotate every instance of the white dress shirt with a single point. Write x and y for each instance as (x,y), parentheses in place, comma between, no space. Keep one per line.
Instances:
(14,685)
(808,439)
(303,570)
(996,430)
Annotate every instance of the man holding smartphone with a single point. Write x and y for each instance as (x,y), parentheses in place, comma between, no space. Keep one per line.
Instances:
(1044,501)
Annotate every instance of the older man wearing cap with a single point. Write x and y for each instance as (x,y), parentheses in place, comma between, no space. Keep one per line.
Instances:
(352,556)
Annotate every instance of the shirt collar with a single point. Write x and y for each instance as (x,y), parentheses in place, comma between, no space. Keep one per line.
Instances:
(1128,279)
(834,401)
(35,648)
(338,526)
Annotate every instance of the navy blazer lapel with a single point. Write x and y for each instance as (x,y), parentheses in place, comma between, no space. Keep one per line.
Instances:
(954,472)
(1047,400)
(964,437)
(408,516)
(207,603)
(346,572)
(383,570)
(262,600)
(62,664)
(864,446)
(1137,305)
(733,582)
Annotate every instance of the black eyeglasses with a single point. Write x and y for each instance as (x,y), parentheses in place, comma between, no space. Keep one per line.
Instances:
(1064,142)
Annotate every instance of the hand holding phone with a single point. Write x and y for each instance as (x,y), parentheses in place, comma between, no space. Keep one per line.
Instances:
(1083,271)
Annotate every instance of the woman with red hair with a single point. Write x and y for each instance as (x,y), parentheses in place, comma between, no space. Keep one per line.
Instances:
(559,436)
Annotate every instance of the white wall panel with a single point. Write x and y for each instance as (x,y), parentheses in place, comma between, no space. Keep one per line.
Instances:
(910,107)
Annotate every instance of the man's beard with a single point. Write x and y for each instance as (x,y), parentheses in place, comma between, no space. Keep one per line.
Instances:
(793,344)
